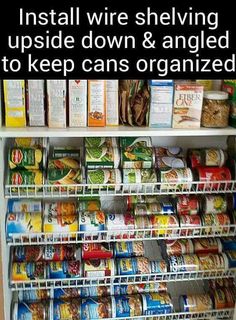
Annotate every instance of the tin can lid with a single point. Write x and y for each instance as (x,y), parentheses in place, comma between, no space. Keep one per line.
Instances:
(216,95)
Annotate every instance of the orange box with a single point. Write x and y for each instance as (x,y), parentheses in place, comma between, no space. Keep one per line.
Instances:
(96,103)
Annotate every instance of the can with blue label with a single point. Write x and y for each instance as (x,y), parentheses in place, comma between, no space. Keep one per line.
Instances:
(195,302)
(30,311)
(33,295)
(186,262)
(123,289)
(20,205)
(228,243)
(63,269)
(128,249)
(24,271)
(65,293)
(156,303)
(126,306)
(231,255)
(142,209)
(96,308)
(96,291)
(65,309)
(132,266)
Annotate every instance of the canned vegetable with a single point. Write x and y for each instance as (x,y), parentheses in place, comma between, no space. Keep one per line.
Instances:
(179,179)
(163,224)
(207,245)
(65,309)
(132,142)
(153,208)
(179,247)
(214,203)
(137,158)
(19,205)
(102,157)
(111,178)
(213,261)
(26,158)
(90,142)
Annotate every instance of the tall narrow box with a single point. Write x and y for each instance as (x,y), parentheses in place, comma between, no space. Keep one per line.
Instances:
(14,100)
(36,103)
(96,103)
(56,103)
(77,103)
(112,99)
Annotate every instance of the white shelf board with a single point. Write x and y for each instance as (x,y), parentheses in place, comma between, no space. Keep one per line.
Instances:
(120,131)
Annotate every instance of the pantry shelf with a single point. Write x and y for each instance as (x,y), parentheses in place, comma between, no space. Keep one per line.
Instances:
(119,280)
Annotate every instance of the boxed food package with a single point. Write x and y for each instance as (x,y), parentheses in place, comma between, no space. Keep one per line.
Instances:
(161,105)
(188,99)
(35,103)
(112,112)
(56,103)
(77,103)
(14,100)
(96,103)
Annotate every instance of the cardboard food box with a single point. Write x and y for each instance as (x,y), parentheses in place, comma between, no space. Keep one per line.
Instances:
(56,103)
(77,103)
(96,103)
(14,100)
(188,99)
(112,112)
(36,103)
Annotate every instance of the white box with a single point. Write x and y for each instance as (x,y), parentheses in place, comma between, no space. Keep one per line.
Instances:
(112,114)
(77,103)
(36,100)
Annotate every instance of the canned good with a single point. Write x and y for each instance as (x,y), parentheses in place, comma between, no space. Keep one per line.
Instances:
(121,224)
(23,222)
(64,177)
(60,223)
(137,158)
(168,151)
(19,205)
(57,208)
(188,204)
(63,269)
(23,271)
(90,142)
(214,203)
(194,158)
(30,310)
(65,309)
(207,245)
(26,158)
(64,152)
(228,243)
(158,266)
(133,266)
(96,308)
(213,223)
(66,293)
(219,299)
(126,306)
(96,291)
(64,163)
(166,163)
(142,222)
(214,157)
(92,221)
(213,261)
(209,175)
(33,295)
(191,222)
(179,247)
(128,249)
(153,208)
(89,205)
(221,283)
(123,289)
(111,178)
(195,302)
(231,257)
(133,142)
(163,224)
(97,251)
(25,177)
(156,303)
(132,200)
(102,157)
(179,179)
(187,262)
(31,142)
(137,177)
(99,268)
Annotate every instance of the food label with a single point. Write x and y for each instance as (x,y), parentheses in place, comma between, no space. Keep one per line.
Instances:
(60,223)
(212,262)
(130,266)
(102,157)
(137,158)
(58,208)
(156,303)
(96,103)
(98,268)
(66,309)
(162,222)
(24,222)
(177,177)
(97,251)
(131,142)
(77,103)
(23,271)
(112,114)
(196,303)
(32,177)
(91,220)
(18,205)
(190,221)
(35,99)
(187,262)
(92,308)
(128,249)
(64,269)
(207,174)
(187,204)
(31,311)
(215,204)
(104,177)
(179,247)
(207,245)
(214,158)
(127,306)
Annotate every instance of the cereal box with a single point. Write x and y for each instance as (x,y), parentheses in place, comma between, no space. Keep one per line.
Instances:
(56,103)
(112,112)
(96,103)
(35,103)
(188,100)
(77,103)
(14,99)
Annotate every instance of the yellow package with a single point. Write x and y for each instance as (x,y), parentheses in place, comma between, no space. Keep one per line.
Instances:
(14,100)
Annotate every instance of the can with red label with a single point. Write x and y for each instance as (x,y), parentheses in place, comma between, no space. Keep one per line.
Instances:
(213,261)
(179,247)
(188,204)
(214,203)
(97,251)
(186,262)
(214,223)
(194,158)
(207,245)
(190,224)
(208,175)
(121,222)
(99,268)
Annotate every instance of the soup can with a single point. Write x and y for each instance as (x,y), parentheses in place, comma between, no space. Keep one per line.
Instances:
(214,203)
(26,158)
(96,291)
(213,261)
(103,179)
(96,308)
(30,310)
(213,223)
(175,179)
(60,208)
(64,269)
(92,204)
(65,309)
(97,251)
(33,295)
(195,302)
(228,243)
(126,306)
(166,163)
(31,142)
(158,266)
(224,298)
(132,200)
(102,157)
(133,266)
(169,151)
(207,245)
(194,158)
(66,293)
(231,257)
(136,177)
(163,225)
(99,268)
(144,223)
(187,204)
(209,176)
(221,283)
(60,223)
(137,158)
(179,247)
(133,142)
(214,157)
(90,142)
(92,221)
(156,303)
(124,289)
(189,224)
(128,249)
(24,271)
(141,209)
(187,262)
(20,205)
(120,225)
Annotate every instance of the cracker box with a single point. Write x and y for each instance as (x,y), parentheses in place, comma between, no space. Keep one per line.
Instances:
(56,103)
(112,112)
(14,100)
(96,103)
(36,103)
(77,103)
(188,99)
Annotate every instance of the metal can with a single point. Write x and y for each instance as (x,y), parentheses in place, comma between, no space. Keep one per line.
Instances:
(141,209)
(26,158)
(177,179)
(213,223)
(189,224)
(137,158)
(33,295)
(158,266)
(214,157)
(97,251)
(20,205)
(179,247)
(207,245)
(60,223)
(128,249)
(90,142)
(96,291)
(195,302)
(219,299)
(163,224)
(137,177)
(208,175)
(64,163)
(99,268)
(65,309)
(92,221)
(166,163)
(168,151)
(231,257)
(23,271)
(96,308)
(133,142)
(194,158)
(63,269)
(187,262)
(228,243)
(92,204)
(31,142)
(104,178)
(214,203)
(102,157)
(156,303)
(65,177)
(126,306)
(66,293)
(30,310)
(123,289)
(62,152)
(188,204)
(213,261)
(133,266)
(25,177)
(57,208)
(117,222)
(142,222)
(221,283)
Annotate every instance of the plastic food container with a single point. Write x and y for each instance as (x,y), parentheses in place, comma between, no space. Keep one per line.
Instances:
(215,110)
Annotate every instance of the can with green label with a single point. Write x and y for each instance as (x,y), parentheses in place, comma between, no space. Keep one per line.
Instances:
(101,178)
(102,157)
(137,158)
